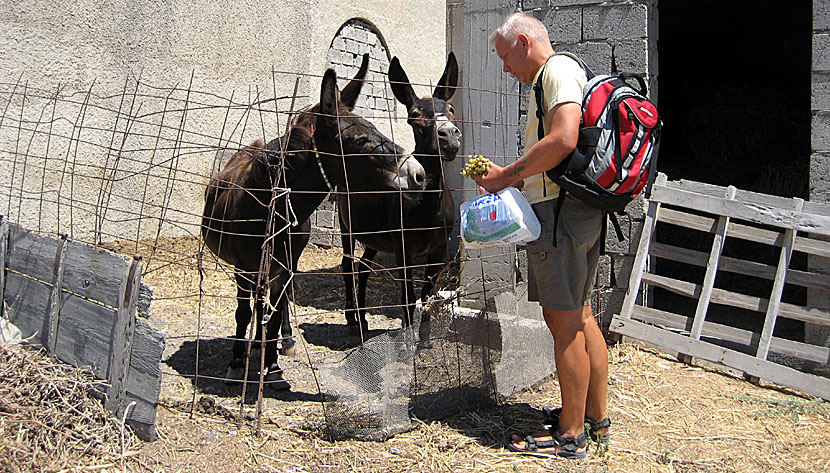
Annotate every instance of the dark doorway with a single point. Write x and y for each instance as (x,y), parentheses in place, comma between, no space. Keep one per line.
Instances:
(734,91)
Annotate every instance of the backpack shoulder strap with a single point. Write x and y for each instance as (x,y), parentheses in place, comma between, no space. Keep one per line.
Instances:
(539,92)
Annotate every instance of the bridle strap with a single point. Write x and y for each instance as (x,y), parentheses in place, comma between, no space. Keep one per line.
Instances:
(320,163)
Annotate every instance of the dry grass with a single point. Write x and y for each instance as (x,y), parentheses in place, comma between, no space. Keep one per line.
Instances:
(667,416)
(51,418)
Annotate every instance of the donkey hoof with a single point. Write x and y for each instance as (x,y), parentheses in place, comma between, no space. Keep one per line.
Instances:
(425,345)
(276,381)
(288,347)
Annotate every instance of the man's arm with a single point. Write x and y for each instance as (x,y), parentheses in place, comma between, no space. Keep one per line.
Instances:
(547,153)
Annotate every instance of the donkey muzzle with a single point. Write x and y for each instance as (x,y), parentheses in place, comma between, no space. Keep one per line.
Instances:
(449,137)
(411,175)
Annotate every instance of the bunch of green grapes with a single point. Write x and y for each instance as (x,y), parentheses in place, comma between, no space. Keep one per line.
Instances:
(476,166)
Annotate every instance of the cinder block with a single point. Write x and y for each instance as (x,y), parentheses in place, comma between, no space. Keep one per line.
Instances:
(821,131)
(622,270)
(820,92)
(563,24)
(529,5)
(631,55)
(819,177)
(596,55)
(325,218)
(821,15)
(611,302)
(320,238)
(615,21)
(821,52)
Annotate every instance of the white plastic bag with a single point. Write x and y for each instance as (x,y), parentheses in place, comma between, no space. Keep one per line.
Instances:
(501,219)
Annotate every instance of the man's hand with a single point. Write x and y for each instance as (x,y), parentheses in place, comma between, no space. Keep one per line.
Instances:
(493,180)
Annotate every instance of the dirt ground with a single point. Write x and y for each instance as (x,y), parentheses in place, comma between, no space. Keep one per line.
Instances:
(667,416)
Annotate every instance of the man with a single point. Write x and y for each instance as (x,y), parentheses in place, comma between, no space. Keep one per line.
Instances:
(561,273)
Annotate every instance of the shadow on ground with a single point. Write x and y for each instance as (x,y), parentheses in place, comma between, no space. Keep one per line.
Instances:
(213,357)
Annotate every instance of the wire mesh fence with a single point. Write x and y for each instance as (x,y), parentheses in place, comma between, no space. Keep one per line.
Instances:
(131,171)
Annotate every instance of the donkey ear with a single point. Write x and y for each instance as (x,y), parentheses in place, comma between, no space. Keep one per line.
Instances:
(328,99)
(351,91)
(400,84)
(446,86)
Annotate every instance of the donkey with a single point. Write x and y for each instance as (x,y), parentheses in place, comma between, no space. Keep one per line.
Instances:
(419,228)
(323,144)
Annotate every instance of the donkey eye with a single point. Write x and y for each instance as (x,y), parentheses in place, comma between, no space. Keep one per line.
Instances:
(450,110)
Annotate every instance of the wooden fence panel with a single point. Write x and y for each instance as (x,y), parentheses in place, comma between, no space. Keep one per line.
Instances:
(789,225)
(82,303)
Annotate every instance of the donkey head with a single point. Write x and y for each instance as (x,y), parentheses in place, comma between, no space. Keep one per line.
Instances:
(431,118)
(353,152)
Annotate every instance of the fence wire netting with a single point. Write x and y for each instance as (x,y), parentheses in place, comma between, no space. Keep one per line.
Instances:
(127,171)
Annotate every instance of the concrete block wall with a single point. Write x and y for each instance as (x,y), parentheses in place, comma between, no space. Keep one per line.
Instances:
(820,146)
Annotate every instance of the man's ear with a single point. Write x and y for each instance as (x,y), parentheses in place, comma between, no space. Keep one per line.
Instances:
(523,40)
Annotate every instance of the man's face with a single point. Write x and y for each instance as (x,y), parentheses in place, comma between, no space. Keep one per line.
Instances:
(514,57)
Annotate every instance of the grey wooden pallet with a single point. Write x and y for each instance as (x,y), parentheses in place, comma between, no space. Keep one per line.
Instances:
(790,224)
(81,303)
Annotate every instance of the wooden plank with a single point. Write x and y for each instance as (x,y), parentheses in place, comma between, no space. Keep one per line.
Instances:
(123,332)
(778,287)
(4,239)
(812,246)
(803,243)
(757,213)
(83,335)
(719,296)
(711,270)
(779,374)
(708,224)
(53,306)
(641,259)
(747,338)
(733,265)
(746,196)
(90,271)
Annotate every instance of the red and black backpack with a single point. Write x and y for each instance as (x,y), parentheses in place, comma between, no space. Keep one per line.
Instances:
(616,155)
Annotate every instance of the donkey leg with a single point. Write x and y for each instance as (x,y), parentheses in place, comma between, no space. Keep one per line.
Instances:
(299,240)
(362,280)
(347,266)
(434,265)
(243,318)
(287,342)
(279,307)
(288,346)
(407,287)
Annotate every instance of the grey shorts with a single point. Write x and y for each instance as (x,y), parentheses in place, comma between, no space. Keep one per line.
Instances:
(561,277)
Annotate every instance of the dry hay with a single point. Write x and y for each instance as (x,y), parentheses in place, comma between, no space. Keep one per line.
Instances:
(52,419)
